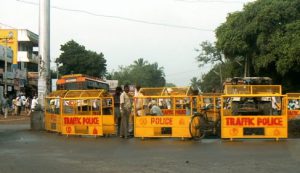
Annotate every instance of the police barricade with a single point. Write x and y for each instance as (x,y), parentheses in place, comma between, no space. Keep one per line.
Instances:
(208,122)
(84,112)
(253,111)
(53,110)
(293,105)
(108,115)
(212,103)
(293,114)
(163,112)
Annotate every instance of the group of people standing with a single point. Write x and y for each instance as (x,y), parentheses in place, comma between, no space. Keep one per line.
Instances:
(15,106)
(123,109)
(123,106)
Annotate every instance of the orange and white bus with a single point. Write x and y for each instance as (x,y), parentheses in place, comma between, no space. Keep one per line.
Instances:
(80,82)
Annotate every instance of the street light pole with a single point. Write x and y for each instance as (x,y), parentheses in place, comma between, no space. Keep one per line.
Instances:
(44,51)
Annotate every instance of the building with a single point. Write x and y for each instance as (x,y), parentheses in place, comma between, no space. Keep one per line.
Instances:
(27,62)
(21,46)
(6,53)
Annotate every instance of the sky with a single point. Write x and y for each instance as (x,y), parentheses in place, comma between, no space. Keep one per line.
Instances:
(162,31)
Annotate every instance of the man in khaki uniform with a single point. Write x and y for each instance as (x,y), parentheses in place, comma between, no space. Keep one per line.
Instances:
(125,108)
(140,103)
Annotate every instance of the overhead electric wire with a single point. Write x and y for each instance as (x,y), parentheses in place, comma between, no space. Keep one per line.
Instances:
(123,18)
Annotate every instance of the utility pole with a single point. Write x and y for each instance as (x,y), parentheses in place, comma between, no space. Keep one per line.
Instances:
(44,51)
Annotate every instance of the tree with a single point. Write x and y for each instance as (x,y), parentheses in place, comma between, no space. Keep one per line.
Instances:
(222,69)
(208,53)
(142,73)
(53,74)
(170,85)
(76,59)
(211,80)
(267,35)
(195,83)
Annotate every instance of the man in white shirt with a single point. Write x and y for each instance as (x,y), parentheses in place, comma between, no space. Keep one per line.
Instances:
(140,102)
(125,108)
(34,103)
(19,105)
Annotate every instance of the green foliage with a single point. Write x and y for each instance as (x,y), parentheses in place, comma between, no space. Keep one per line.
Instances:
(53,74)
(141,73)
(170,85)
(267,33)
(208,54)
(211,81)
(195,83)
(76,59)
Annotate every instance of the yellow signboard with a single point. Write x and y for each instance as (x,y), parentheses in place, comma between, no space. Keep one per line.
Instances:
(158,126)
(9,38)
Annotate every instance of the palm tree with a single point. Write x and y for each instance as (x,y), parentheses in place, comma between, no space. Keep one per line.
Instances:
(140,62)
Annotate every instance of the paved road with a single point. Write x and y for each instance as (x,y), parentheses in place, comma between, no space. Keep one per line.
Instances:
(25,151)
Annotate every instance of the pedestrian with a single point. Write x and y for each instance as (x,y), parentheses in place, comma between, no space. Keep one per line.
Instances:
(23,98)
(125,108)
(117,115)
(140,102)
(19,105)
(27,105)
(34,103)
(14,106)
(5,106)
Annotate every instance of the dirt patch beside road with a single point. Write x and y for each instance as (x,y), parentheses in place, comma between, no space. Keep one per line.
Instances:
(14,119)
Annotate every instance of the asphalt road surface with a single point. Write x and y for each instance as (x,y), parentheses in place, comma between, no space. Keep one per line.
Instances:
(25,151)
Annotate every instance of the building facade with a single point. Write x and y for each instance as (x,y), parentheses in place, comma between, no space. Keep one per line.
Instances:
(20,51)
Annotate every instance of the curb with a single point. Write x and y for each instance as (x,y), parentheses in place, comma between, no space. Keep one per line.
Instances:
(14,119)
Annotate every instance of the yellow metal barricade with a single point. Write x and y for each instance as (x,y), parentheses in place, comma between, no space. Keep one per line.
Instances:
(108,115)
(53,110)
(176,106)
(212,103)
(293,106)
(87,112)
(252,89)
(254,111)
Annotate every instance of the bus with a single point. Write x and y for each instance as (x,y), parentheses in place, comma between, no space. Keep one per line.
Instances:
(80,82)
